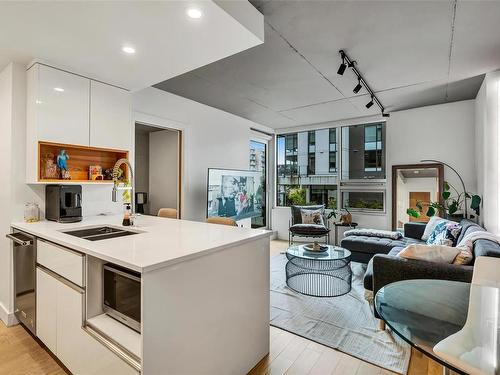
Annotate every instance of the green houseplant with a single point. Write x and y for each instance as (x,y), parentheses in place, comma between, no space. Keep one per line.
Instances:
(452,202)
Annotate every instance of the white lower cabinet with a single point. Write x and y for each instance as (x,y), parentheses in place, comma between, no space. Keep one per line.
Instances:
(46,318)
(80,352)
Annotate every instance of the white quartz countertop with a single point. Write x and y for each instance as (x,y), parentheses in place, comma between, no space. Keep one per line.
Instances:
(161,241)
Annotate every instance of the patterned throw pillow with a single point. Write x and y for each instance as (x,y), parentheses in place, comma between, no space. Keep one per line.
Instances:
(446,233)
(312,217)
(464,257)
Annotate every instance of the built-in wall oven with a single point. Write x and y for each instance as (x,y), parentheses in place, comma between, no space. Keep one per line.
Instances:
(122,295)
(24,256)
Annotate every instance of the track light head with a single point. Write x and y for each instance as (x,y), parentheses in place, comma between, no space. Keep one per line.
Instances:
(370,103)
(342,68)
(358,87)
(343,65)
(385,114)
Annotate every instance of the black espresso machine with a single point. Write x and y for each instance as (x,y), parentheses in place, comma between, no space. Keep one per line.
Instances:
(63,203)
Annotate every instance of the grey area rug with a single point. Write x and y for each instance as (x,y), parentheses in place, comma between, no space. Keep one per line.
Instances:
(345,323)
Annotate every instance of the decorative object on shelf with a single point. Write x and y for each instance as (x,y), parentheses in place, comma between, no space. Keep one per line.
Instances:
(62,159)
(49,166)
(95,173)
(31,212)
(84,162)
(108,174)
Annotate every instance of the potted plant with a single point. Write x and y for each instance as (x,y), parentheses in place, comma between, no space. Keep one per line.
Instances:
(452,203)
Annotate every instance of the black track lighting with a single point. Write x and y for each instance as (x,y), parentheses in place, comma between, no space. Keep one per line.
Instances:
(358,87)
(348,63)
(386,115)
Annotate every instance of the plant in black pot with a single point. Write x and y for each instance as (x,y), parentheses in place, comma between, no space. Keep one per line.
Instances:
(454,205)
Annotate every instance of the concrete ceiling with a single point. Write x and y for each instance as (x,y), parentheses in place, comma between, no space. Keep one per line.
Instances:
(412,53)
(86,37)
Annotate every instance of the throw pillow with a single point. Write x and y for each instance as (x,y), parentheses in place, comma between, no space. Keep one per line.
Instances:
(445,233)
(464,257)
(431,253)
(312,217)
(429,228)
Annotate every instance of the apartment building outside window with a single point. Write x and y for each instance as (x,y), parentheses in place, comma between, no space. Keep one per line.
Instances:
(373,148)
(332,152)
(310,170)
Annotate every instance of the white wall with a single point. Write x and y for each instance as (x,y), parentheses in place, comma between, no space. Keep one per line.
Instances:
(211,139)
(487,150)
(444,132)
(163,169)
(5,176)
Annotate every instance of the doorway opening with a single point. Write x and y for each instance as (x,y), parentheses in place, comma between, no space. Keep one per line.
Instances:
(157,169)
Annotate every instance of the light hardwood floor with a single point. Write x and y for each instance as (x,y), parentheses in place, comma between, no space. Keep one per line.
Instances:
(20,354)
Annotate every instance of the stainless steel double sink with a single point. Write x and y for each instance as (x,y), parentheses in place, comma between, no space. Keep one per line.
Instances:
(100,233)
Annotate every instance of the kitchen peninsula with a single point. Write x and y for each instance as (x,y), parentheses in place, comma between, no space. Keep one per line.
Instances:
(204,294)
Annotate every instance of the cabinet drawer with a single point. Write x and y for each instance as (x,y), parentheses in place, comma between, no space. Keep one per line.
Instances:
(64,262)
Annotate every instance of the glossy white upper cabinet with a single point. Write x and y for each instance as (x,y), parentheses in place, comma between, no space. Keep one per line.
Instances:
(110,123)
(62,106)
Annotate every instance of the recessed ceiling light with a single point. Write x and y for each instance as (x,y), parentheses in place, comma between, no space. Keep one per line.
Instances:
(58,89)
(128,49)
(194,13)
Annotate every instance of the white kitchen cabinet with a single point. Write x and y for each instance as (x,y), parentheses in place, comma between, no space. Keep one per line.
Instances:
(64,262)
(46,319)
(110,122)
(69,109)
(79,351)
(62,106)
(59,313)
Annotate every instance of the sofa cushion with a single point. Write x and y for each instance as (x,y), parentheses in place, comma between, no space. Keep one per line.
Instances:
(368,278)
(309,229)
(297,214)
(486,248)
(468,227)
(374,245)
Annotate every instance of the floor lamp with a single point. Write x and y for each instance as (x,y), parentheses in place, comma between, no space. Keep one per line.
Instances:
(459,177)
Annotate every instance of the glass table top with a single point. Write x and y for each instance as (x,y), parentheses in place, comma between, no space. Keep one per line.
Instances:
(333,253)
(424,312)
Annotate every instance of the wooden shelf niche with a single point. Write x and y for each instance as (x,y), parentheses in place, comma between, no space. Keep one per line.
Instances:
(80,159)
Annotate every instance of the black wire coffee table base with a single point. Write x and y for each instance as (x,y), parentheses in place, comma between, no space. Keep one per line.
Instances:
(319,277)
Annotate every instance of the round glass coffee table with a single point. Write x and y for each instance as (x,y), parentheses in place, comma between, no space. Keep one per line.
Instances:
(325,274)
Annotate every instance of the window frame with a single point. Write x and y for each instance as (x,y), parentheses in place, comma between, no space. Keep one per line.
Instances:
(341,184)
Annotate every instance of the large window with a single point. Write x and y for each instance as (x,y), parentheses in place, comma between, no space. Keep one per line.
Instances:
(363,152)
(311,176)
(310,167)
(373,148)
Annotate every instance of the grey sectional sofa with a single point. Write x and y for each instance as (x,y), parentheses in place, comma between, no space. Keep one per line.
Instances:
(363,248)
(384,269)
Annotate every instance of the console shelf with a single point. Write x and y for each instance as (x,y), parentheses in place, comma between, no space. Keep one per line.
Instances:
(80,159)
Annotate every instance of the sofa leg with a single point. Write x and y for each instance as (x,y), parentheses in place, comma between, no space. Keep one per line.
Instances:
(381,325)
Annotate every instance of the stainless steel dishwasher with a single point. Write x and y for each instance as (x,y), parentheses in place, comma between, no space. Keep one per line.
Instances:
(24,256)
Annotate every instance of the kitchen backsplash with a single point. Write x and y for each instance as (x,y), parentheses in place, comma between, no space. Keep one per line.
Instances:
(95,200)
